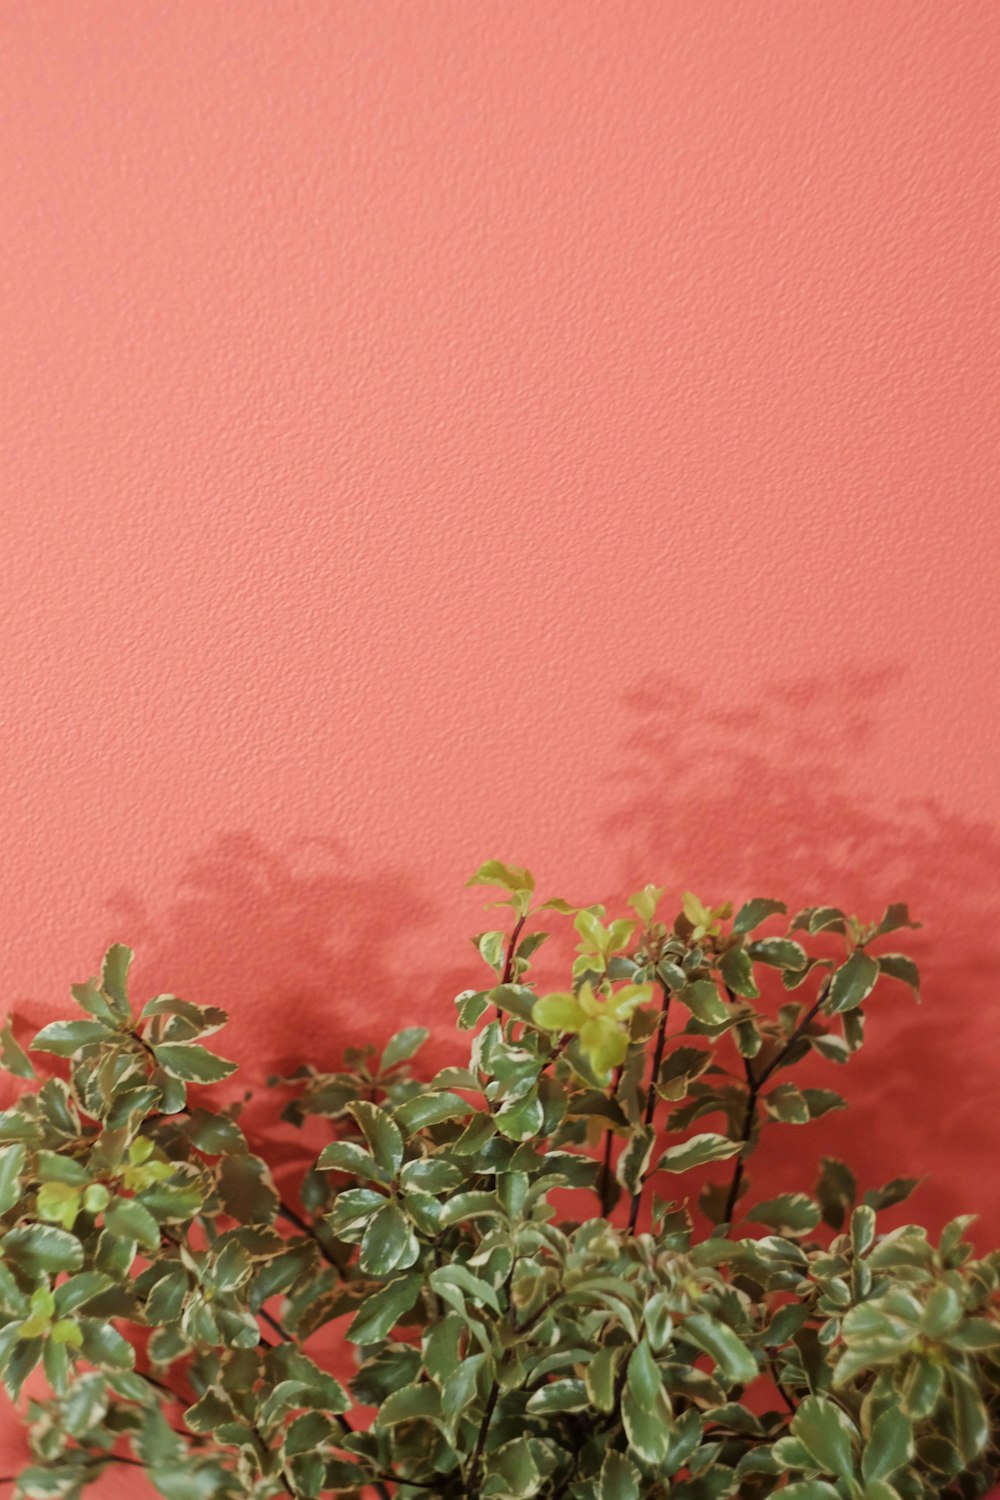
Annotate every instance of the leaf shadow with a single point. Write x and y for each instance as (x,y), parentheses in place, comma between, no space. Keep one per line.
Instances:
(308,953)
(767,796)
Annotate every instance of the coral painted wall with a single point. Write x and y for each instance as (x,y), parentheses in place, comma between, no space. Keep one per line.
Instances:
(557,431)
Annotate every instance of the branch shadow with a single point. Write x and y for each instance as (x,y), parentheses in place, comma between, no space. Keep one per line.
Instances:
(767,797)
(308,953)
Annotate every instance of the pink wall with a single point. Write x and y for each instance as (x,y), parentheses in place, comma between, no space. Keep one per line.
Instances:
(563,431)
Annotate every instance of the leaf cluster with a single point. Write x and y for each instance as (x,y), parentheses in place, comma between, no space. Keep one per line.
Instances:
(529,1313)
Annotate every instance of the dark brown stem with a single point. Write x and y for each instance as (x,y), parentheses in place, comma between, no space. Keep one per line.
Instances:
(749,1117)
(754,1086)
(772,1365)
(650,1110)
(484,1427)
(508,963)
(535,1316)
(605,1179)
(282,1333)
(377,1485)
(287,1212)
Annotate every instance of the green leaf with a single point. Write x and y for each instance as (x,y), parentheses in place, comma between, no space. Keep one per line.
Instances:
(516,999)
(470,1205)
(13,1058)
(821,1102)
(11,1164)
(558,1395)
(852,983)
(889,1446)
(737,973)
(40,1249)
(735,1362)
(752,913)
(430,1174)
(379,1313)
(192,1063)
(491,946)
(810,1489)
(441,1345)
(91,998)
(836,1191)
(188,1021)
(620,1478)
(386,1241)
(346,1156)
(382,1134)
(247,1189)
(697,1152)
(943,1311)
(976,1333)
(601,1376)
(104,1346)
(972,1426)
(456,1282)
(114,978)
(648,1432)
(703,1000)
(172,1203)
(828,1433)
(65,1038)
(402,1046)
(895,916)
(79,1290)
(422,1399)
(430,1109)
(862,1229)
(510,1472)
(460,1383)
(896,1191)
(471,1004)
(632,1162)
(922,1387)
(820,919)
(129,1219)
(779,953)
(789,1213)
(20,1363)
(644,1379)
(787,1104)
(898,966)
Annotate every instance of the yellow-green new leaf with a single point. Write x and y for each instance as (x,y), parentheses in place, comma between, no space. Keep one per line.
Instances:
(510,877)
(558,1012)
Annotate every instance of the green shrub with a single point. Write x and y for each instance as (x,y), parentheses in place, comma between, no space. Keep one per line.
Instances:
(530,1311)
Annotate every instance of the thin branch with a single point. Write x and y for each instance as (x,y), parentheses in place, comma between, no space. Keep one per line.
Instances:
(508,963)
(605,1177)
(772,1365)
(279,1329)
(754,1085)
(287,1212)
(650,1110)
(484,1427)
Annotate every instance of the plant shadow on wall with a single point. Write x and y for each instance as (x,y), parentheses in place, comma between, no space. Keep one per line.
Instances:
(766,796)
(309,954)
(308,950)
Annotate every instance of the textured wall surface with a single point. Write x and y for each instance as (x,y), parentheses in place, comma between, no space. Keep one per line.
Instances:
(558,431)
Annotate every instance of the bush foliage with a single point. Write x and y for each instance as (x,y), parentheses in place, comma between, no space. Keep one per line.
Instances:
(507,1247)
